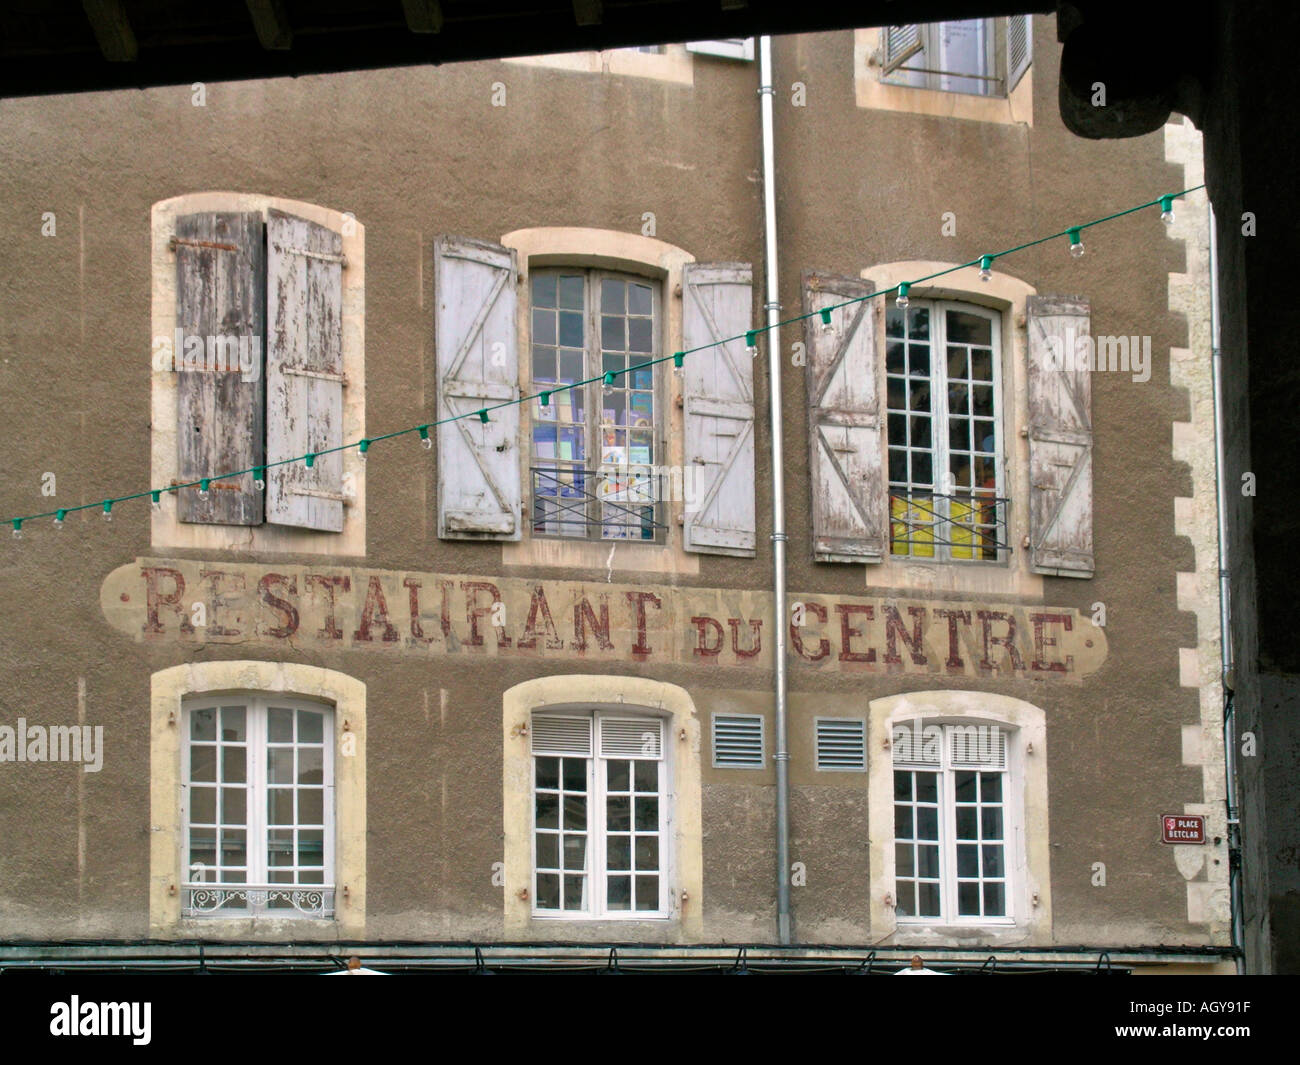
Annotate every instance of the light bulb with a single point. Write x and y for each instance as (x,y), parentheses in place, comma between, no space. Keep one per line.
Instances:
(362,447)
(1167,210)
(751,344)
(1076,242)
(986,268)
(259,484)
(58,519)
(203,489)
(108,510)
(18,530)
(425,442)
(902,301)
(155,501)
(828,327)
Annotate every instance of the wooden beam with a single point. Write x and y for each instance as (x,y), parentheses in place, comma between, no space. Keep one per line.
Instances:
(588,12)
(423,16)
(271,22)
(112,29)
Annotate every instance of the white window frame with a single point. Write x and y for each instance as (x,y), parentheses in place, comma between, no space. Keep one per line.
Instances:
(592,395)
(597,831)
(939,432)
(211,902)
(1012,825)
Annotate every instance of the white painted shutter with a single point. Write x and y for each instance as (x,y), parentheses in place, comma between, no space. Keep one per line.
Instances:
(1020,43)
(725,47)
(847,482)
(631,737)
(1020,35)
(1060,437)
(719,407)
(304,372)
(980,746)
(479,489)
(552,734)
(900,43)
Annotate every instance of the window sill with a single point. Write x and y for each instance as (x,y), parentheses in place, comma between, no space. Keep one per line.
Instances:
(609,555)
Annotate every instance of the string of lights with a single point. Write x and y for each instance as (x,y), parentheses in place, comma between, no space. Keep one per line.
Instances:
(985,263)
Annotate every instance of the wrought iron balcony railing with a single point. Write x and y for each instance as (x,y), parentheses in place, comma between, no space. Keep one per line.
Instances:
(962,526)
(250,900)
(611,503)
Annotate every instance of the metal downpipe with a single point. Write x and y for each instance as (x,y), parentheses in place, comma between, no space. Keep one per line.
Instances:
(772,306)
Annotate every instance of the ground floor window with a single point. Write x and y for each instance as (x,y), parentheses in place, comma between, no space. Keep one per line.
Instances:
(600,812)
(952,791)
(258,807)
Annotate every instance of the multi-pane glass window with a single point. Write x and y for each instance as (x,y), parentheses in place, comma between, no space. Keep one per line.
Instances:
(595,448)
(950,822)
(942,386)
(258,807)
(981,56)
(599,816)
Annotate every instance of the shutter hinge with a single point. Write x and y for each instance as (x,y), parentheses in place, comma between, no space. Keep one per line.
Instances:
(318,493)
(323,375)
(324,256)
(174,241)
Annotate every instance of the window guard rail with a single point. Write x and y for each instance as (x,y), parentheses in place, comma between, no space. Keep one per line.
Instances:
(562,496)
(973,527)
(246,900)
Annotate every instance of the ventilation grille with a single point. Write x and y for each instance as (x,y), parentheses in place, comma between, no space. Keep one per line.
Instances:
(737,741)
(978,746)
(631,738)
(841,743)
(561,735)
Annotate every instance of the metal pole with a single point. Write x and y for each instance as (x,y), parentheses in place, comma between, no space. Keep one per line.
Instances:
(1225,613)
(773,308)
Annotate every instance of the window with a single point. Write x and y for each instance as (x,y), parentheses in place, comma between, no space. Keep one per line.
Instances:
(943,384)
(258,808)
(952,792)
(978,57)
(600,812)
(242,404)
(595,460)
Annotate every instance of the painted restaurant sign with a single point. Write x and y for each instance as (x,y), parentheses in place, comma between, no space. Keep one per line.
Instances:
(309,608)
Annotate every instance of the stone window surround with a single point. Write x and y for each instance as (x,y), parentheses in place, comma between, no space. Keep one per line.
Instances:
(1028,851)
(682,745)
(1009,295)
(165,530)
(628,253)
(169,688)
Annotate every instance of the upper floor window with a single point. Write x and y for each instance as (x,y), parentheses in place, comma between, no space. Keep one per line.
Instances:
(953,794)
(979,57)
(943,388)
(600,816)
(258,808)
(596,449)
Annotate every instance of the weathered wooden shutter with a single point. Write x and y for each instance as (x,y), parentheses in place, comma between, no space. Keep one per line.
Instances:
(718,405)
(479,490)
(900,43)
(1060,436)
(304,372)
(847,481)
(220,305)
(1019,47)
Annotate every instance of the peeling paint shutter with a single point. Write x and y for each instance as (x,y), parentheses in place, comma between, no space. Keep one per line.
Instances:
(719,408)
(1060,437)
(900,44)
(221,301)
(479,489)
(1020,34)
(847,479)
(304,372)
